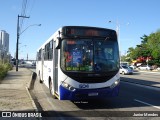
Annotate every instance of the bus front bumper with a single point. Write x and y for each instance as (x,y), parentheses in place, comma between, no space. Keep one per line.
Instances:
(80,94)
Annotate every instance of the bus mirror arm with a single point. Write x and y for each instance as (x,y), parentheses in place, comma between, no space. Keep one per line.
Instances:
(58,42)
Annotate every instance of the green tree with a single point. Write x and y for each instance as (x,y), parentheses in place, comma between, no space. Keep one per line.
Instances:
(154,44)
(131,54)
(149,47)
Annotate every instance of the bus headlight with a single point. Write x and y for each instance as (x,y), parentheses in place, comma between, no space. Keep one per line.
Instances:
(67,86)
(115,83)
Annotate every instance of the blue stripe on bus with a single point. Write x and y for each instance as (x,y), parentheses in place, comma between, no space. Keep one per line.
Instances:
(80,94)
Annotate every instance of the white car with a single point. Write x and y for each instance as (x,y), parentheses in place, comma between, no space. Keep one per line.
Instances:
(158,68)
(145,67)
(125,70)
(133,67)
(25,64)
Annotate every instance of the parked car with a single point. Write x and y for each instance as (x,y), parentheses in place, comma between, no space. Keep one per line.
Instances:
(133,66)
(158,68)
(125,70)
(26,64)
(33,63)
(23,64)
(145,67)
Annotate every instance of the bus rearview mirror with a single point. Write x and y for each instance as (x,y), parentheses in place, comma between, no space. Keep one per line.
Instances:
(58,42)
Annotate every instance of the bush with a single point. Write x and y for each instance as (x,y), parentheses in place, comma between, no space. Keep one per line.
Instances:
(3,71)
(8,66)
(4,68)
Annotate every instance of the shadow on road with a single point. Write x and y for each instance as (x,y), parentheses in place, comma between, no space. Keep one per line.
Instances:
(97,107)
(34,76)
(141,81)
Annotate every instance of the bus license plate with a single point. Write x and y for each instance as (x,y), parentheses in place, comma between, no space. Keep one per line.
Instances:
(92,94)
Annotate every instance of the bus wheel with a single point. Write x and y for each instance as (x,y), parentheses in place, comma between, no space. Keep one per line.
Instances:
(51,89)
(39,77)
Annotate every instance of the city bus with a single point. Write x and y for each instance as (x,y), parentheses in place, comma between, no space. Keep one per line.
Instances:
(80,62)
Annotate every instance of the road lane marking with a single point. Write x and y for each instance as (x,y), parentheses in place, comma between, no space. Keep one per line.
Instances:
(157,89)
(147,103)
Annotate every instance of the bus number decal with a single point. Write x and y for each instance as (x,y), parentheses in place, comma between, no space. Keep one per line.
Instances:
(82,86)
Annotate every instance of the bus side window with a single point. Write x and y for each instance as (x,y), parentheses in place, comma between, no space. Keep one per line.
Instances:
(39,53)
(51,50)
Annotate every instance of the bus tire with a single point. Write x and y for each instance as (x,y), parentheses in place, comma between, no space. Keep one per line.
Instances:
(40,81)
(50,89)
(54,97)
(39,78)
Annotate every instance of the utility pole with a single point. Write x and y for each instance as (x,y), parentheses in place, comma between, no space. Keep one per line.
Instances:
(27,56)
(18,40)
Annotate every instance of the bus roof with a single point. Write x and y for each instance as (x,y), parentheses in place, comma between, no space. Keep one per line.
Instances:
(91,31)
(89,27)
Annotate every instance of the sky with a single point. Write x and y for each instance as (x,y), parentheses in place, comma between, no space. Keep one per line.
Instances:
(134,18)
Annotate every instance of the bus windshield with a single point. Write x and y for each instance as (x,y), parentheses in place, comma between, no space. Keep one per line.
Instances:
(89,55)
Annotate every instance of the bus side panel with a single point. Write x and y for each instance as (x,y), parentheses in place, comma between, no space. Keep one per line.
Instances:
(39,65)
(48,72)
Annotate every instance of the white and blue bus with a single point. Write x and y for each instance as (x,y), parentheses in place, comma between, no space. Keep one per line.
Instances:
(79,62)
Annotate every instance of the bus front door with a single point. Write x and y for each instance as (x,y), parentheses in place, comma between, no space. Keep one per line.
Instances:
(42,67)
(55,69)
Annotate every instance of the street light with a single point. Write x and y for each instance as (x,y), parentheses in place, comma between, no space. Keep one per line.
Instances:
(29,26)
(118,33)
(18,34)
(118,27)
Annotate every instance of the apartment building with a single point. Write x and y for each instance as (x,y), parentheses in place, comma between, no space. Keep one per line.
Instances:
(4,44)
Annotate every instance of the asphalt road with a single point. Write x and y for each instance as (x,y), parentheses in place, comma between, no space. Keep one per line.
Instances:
(134,101)
(147,78)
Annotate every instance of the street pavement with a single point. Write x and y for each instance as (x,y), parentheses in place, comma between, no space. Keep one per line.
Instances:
(14,94)
(146,78)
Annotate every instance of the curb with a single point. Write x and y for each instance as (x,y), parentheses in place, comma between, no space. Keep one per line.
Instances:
(31,83)
(29,87)
(33,103)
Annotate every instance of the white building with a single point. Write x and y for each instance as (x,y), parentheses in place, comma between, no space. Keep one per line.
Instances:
(4,44)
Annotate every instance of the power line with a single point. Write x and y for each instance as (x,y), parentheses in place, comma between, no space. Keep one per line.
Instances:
(32,6)
(27,7)
(23,13)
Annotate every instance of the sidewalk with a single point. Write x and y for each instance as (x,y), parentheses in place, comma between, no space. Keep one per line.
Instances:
(14,95)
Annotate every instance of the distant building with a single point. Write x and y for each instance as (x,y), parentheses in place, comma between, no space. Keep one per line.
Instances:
(0,48)
(4,44)
(4,40)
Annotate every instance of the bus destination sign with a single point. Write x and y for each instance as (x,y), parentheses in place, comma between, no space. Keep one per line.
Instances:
(82,31)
